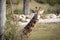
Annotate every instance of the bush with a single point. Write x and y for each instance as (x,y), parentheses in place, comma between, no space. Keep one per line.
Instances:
(51,2)
(41,1)
(10,32)
(13,1)
(44,1)
(51,10)
(54,11)
(58,1)
(17,11)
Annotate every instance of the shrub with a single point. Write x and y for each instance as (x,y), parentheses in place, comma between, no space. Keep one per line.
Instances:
(41,1)
(51,2)
(13,1)
(10,32)
(54,11)
(51,10)
(17,11)
(44,1)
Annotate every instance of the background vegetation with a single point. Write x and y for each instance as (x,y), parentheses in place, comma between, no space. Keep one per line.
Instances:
(41,31)
(51,2)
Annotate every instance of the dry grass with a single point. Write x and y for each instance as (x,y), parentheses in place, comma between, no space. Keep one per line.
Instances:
(46,32)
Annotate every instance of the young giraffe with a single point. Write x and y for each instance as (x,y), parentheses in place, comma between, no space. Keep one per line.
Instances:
(28,28)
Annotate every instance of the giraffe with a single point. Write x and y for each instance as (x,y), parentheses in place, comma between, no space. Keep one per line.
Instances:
(28,28)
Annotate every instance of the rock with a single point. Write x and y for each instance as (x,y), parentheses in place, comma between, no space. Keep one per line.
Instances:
(22,17)
(51,16)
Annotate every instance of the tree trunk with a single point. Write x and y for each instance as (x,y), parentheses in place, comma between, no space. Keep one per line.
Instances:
(2,17)
(25,7)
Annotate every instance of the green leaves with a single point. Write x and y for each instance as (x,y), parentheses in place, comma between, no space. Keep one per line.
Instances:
(51,2)
(13,1)
(18,11)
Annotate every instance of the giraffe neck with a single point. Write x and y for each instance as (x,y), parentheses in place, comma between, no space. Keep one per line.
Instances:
(30,25)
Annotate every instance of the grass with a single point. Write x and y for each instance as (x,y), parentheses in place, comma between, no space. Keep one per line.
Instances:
(18,11)
(49,31)
(46,32)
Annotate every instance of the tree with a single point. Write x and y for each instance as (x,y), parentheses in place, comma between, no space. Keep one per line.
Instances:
(14,1)
(25,7)
(2,17)
(52,2)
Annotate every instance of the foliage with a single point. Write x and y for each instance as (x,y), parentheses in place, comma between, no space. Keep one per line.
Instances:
(44,1)
(18,11)
(58,1)
(51,2)
(54,11)
(8,16)
(7,1)
(51,10)
(13,1)
(11,30)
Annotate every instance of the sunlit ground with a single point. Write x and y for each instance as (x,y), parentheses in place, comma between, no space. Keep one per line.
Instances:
(49,31)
